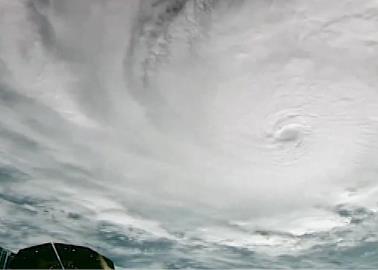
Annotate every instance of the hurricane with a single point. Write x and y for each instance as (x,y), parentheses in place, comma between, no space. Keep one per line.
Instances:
(203,134)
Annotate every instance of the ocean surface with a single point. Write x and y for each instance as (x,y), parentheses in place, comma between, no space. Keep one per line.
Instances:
(192,133)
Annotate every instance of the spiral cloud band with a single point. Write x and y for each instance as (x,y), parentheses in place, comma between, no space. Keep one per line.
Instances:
(192,133)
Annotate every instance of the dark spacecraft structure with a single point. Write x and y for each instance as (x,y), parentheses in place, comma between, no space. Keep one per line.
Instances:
(54,256)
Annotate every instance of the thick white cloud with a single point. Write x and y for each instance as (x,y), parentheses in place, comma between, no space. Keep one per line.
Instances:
(224,118)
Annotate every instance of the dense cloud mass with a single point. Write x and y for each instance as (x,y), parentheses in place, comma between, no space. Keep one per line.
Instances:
(192,133)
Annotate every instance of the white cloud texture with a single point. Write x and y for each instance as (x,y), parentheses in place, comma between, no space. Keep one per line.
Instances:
(249,124)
